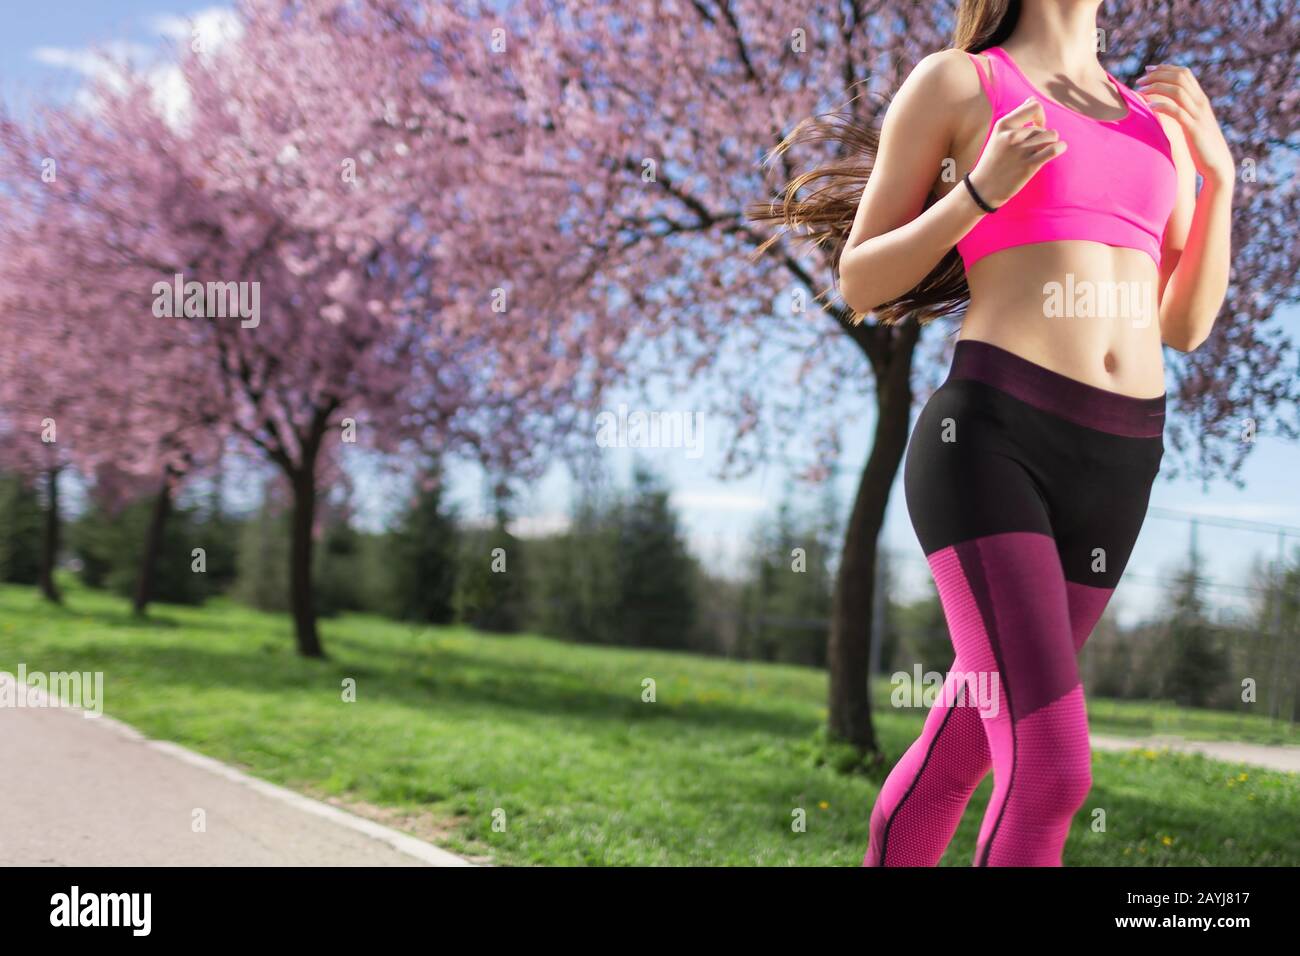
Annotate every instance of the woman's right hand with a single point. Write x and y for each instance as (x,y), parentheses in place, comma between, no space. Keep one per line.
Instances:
(1015,152)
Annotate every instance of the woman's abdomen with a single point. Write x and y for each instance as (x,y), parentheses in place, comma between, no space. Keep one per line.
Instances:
(1083,309)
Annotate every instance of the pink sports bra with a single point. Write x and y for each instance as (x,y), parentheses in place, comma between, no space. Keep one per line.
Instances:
(1115,183)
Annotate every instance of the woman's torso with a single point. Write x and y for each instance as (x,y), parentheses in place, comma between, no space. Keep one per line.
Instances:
(1085,309)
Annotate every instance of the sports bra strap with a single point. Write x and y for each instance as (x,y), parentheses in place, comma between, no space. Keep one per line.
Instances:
(980,66)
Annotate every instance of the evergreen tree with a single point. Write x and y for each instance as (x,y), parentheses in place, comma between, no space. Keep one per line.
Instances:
(492,594)
(425,545)
(1193,663)
(21,522)
(337,579)
(655,574)
(110,543)
(575,573)
(789,601)
(217,533)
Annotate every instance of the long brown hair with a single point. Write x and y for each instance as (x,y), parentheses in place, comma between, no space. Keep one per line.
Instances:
(824,215)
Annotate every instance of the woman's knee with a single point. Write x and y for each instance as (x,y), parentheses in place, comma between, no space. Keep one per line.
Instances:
(1054,756)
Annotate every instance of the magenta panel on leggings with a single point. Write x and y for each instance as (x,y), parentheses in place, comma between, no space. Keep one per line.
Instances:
(1027,490)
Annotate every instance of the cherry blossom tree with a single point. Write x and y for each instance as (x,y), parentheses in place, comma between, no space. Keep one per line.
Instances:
(81,367)
(351,270)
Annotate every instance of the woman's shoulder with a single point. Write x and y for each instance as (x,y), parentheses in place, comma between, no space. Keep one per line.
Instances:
(948,74)
(943,88)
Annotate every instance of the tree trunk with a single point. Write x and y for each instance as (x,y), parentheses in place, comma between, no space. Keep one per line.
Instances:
(50,545)
(162,507)
(850,640)
(300,564)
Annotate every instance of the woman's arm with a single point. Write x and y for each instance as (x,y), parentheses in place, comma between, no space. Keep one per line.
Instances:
(895,241)
(1198,248)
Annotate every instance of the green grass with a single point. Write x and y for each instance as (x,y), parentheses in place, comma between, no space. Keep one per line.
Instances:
(1126,718)
(450,726)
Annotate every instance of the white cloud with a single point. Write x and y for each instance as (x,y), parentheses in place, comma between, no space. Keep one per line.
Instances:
(102,63)
(104,60)
(171,95)
(212,27)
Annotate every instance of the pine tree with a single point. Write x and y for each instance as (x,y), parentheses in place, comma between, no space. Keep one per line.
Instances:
(1194,664)
(20,531)
(425,546)
(656,575)
(492,593)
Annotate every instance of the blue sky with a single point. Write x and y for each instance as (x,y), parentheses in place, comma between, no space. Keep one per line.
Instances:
(40,47)
(75,25)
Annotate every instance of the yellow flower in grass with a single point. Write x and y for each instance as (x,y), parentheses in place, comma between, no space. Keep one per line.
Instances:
(1167,840)
(1150,754)
(1243,777)
(824,805)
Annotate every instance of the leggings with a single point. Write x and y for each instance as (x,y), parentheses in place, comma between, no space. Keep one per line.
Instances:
(1027,490)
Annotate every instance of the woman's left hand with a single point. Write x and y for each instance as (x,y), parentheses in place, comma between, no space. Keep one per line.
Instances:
(1173,91)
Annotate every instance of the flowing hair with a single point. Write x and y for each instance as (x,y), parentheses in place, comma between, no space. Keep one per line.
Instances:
(823,215)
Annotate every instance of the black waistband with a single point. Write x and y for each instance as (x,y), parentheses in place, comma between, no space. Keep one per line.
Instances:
(1058,394)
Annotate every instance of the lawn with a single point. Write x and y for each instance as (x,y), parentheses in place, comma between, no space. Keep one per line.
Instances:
(525,750)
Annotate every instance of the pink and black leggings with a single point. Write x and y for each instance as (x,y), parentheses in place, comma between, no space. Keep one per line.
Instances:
(1027,490)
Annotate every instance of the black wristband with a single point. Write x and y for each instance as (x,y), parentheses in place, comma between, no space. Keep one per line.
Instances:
(979,200)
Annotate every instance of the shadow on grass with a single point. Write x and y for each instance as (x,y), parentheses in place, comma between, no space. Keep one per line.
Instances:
(421,681)
(152,622)
(73,611)
(542,687)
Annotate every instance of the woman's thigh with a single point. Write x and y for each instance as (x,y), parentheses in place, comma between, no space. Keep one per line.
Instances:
(981,515)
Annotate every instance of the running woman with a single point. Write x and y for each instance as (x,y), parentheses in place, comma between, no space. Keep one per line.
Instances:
(1017,179)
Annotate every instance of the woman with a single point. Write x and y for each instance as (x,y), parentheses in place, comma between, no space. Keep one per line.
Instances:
(1015,171)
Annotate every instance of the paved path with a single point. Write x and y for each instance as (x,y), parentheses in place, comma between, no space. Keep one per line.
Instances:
(78,791)
(1274,756)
